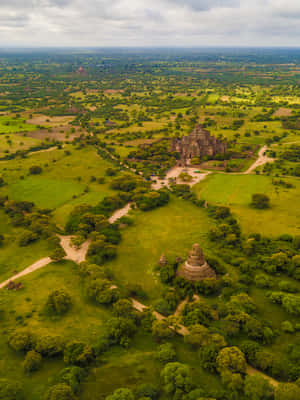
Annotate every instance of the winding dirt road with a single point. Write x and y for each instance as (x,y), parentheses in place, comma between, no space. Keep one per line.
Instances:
(262,159)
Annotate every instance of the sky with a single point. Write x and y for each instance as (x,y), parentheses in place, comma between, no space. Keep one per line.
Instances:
(191,23)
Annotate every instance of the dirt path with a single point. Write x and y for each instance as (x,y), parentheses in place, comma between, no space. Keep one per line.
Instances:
(74,254)
(252,371)
(119,213)
(42,151)
(37,265)
(262,159)
(174,173)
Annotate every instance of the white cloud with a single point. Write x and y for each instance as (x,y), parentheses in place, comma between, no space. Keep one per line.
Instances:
(140,22)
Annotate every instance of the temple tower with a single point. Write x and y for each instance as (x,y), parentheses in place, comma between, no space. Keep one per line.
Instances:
(196,268)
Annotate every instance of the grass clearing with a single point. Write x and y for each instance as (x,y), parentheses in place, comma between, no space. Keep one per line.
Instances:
(235,191)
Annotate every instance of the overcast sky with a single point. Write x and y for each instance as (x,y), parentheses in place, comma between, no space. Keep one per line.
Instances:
(150,23)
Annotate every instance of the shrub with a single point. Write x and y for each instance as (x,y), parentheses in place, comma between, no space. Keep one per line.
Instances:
(121,394)
(71,376)
(147,391)
(49,345)
(78,353)
(260,201)
(32,362)
(27,238)
(166,353)
(58,254)
(60,391)
(21,340)
(10,390)
(35,170)
(59,302)
(287,327)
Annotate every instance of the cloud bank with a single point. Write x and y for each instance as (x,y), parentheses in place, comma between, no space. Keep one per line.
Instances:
(149,23)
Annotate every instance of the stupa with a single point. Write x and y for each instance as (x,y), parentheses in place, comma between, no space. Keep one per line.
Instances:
(196,268)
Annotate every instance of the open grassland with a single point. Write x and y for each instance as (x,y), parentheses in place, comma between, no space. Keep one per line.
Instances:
(64,182)
(11,124)
(235,191)
(25,308)
(10,143)
(171,230)
(14,259)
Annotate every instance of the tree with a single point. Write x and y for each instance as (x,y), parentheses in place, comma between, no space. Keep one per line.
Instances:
(166,353)
(58,302)
(21,340)
(49,345)
(147,391)
(257,387)
(35,170)
(121,394)
(61,391)
(120,330)
(231,359)
(32,362)
(161,330)
(287,391)
(260,201)
(58,254)
(78,353)
(10,390)
(198,336)
(71,376)
(176,378)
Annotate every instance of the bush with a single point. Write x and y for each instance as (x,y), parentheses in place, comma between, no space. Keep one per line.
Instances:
(35,170)
(121,394)
(260,201)
(10,390)
(71,376)
(59,302)
(49,345)
(58,254)
(60,391)
(21,340)
(147,391)
(32,362)
(78,353)
(27,238)
(166,353)
(287,327)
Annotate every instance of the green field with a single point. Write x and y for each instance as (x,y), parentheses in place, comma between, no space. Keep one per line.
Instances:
(171,230)
(235,191)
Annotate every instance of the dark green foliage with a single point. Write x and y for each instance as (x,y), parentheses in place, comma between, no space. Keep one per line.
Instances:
(35,170)
(32,362)
(58,302)
(27,238)
(78,353)
(61,391)
(71,376)
(21,340)
(10,390)
(49,345)
(260,201)
(120,330)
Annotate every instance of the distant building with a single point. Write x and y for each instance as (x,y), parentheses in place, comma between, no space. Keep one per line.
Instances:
(198,143)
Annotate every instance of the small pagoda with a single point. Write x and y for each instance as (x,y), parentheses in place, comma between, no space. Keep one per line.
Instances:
(196,268)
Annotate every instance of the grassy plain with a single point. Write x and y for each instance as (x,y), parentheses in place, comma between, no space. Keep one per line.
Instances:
(171,230)
(235,191)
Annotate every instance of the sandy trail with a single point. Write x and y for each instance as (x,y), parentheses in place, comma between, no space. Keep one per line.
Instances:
(262,159)
(37,265)
(74,254)
(252,371)
(119,213)
(174,172)
(43,151)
